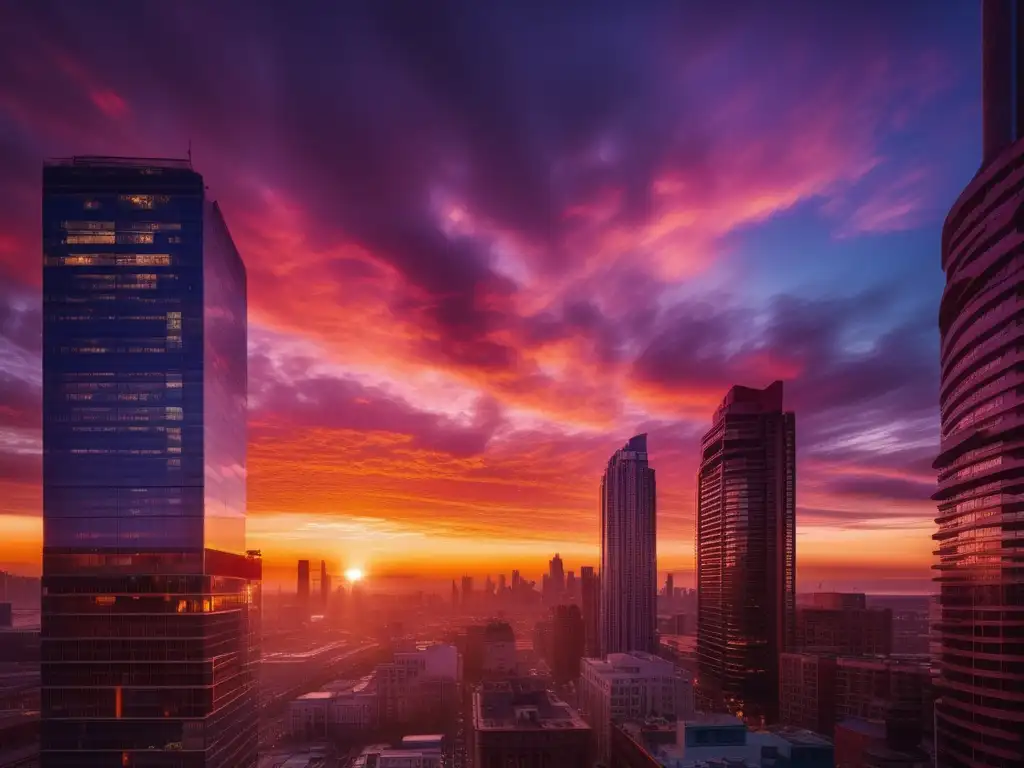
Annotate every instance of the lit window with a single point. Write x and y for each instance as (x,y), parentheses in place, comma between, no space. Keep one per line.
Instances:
(134,238)
(145,202)
(155,226)
(79,261)
(173,413)
(99,238)
(173,321)
(143,260)
(91,205)
(89,226)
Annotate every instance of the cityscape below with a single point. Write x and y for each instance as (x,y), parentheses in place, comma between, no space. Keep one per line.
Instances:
(155,635)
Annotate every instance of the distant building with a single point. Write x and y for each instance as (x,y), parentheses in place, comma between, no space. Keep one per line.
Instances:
(556,577)
(836,601)
(716,741)
(499,650)
(567,643)
(515,723)
(590,598)
(628,551)
(746,550)
(325,588)
(467,592)
(628,686)
(6,616)
(302,589)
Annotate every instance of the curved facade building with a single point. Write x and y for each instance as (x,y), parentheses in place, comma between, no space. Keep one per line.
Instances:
(980,538)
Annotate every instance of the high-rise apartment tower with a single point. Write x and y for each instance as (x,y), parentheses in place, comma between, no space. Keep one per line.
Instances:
(746,550)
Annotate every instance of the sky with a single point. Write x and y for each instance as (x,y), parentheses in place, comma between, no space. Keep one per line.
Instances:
(488,242)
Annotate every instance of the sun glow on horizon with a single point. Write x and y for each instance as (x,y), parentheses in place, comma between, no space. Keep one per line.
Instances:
(354,574)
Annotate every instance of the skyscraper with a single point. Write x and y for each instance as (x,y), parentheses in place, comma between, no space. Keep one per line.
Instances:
(980,570)
(628,551)
(325,587)
(302,588)
(556,572)
(746,551)
(151,604)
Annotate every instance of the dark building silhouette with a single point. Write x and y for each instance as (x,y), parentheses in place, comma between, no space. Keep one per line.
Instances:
(629,551)
(568,643)
(851,631)
(302,589)
(325,587)
(6,616)
(467,591)
(980,570)
(590,598)
(746,550)
(150,629)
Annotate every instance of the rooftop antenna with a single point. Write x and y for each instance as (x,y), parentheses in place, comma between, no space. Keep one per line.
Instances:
(190,153)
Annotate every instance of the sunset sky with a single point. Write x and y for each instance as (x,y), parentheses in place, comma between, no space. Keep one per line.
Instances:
(488,242)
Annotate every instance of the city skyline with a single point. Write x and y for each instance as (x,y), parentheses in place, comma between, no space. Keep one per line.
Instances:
(445,347)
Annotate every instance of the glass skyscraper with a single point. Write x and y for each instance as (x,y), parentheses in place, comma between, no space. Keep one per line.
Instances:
(979,633)
(746,550)
(150,607)
(629,514)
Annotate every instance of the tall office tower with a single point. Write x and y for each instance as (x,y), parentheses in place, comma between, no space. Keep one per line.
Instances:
(628,551)
(325,587)
(467,591)
(150,612)
(556,573)
(590,597)
(303,588)
(670,587)
(980,568)
(455,595)
(746,569)
(501,584)
(571,586)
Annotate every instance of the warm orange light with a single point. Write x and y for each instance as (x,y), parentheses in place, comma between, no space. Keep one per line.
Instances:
(354,574)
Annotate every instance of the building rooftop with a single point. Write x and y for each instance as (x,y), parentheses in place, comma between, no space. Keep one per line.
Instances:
(630,664)
(871,728)
(96,161)
(515,705)
(424,738)
(318,696)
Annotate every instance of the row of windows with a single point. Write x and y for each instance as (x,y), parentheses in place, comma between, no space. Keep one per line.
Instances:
(135,226)
(110,260)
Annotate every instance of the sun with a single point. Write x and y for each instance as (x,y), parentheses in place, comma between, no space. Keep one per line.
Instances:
(354,574)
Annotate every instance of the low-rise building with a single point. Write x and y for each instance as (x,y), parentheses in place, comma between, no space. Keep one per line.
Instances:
(419,687)
(631,686)
(413,752)
(343,708)
(717,740)
(517,723)
(807,691)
